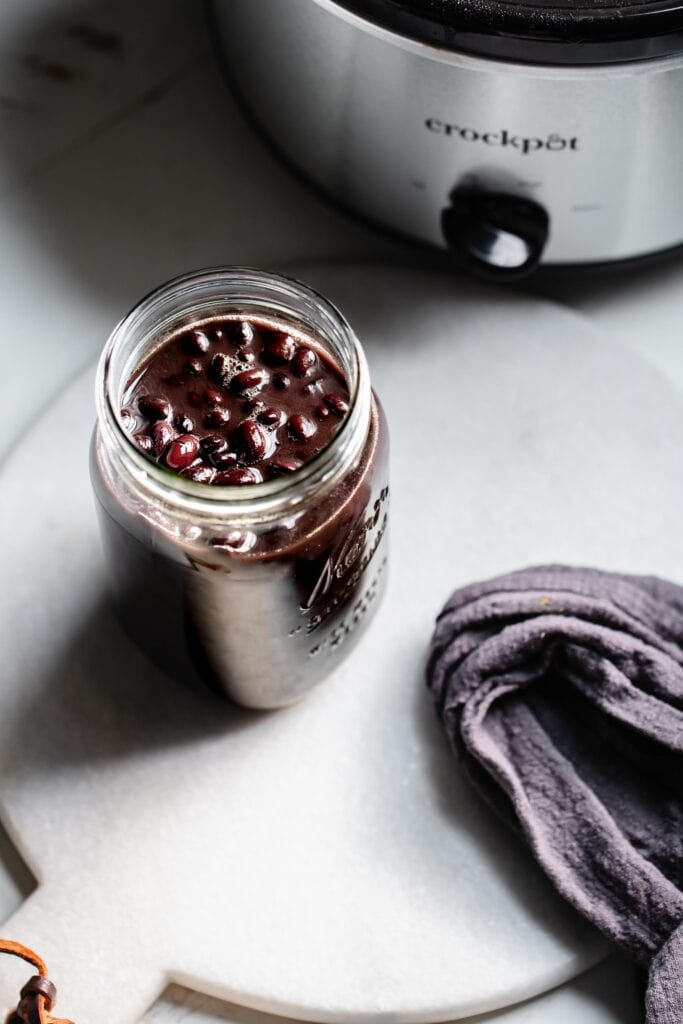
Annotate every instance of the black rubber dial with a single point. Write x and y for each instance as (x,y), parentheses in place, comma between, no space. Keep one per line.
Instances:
(494,234)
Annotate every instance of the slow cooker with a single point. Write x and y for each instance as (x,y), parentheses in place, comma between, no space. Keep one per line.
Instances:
(511,134)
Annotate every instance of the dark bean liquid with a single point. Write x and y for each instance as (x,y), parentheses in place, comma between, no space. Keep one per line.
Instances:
(260,615)
(235,402)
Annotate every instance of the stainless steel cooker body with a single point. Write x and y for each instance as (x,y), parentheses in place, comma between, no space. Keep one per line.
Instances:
(414,135)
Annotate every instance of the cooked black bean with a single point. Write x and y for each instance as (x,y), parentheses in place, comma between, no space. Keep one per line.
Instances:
(234,402)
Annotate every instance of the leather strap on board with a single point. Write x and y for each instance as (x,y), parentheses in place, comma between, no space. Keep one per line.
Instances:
(38,995)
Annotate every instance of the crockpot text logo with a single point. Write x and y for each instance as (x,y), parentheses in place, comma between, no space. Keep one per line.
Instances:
(552,143)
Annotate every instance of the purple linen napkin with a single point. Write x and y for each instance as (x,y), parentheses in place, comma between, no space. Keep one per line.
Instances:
(561,690)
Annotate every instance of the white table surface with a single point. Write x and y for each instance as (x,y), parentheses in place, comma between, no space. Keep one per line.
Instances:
(125,160)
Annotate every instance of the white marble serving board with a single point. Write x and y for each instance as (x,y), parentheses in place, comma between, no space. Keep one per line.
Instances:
(606,994)
(327,861)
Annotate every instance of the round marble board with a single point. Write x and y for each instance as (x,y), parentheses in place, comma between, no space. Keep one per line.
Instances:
(326,861)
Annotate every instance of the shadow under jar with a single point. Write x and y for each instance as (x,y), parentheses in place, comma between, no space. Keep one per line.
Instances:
(260,590)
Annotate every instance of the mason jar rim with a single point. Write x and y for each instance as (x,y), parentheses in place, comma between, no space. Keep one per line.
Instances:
(277,294)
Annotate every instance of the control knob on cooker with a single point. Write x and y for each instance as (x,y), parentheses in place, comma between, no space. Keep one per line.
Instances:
(495,234)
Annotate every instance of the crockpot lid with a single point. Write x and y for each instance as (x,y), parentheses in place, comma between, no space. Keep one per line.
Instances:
(542,31)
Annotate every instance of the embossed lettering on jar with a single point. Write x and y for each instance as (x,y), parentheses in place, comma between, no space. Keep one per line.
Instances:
(245,533)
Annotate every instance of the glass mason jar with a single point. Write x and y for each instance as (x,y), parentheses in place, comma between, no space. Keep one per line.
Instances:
(260,590)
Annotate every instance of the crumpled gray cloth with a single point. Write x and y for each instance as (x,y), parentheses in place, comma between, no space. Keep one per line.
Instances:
(562,691)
